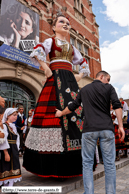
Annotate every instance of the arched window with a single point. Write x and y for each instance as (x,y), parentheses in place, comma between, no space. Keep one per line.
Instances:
(85,50)
(72,40)
(78,3)
(16,94)
(79,46)
(74,3)
(82,9)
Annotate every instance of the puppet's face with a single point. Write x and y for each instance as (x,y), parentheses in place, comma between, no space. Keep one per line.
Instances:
(62,26)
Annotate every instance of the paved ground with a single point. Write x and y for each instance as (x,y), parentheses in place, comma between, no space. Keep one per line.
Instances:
(122,183)
(75,185)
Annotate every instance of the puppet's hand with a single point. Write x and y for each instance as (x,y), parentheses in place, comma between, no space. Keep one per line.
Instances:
(78,77)
(47,71)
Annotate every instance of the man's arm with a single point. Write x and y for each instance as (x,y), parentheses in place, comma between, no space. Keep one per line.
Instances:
(71,107)
(121,131)
(60,113)
(118,110)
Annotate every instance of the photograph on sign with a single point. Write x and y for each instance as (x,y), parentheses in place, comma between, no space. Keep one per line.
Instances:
(19,26)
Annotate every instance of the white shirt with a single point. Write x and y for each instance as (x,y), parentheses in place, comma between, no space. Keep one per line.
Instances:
(6,145)
(2,140)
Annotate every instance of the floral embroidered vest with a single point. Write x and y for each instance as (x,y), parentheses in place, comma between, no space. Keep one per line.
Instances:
(61,51)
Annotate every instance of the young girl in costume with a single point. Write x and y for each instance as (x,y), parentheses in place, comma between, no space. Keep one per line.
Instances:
(9,165)
(53,145)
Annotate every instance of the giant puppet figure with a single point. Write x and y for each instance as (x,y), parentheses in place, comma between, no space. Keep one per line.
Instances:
(53,145)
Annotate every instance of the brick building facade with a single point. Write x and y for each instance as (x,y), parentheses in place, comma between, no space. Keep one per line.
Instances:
(84,35)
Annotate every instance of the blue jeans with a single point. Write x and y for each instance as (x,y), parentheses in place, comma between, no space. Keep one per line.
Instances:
(107,145)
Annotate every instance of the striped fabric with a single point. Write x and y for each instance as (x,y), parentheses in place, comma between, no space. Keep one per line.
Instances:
(119,144)
(44,115)
(61,65)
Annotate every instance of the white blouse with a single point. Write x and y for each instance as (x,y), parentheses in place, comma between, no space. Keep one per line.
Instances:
(5,144)
(41,54)
(2,140)
(116,121)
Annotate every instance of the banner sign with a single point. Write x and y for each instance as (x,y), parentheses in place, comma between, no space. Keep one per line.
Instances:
(19,26)
(15,55)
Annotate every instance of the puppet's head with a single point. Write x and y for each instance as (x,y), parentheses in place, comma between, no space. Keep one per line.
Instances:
(61,25)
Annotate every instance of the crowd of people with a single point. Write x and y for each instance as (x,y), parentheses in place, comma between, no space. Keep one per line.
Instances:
(14,127)
(60,137)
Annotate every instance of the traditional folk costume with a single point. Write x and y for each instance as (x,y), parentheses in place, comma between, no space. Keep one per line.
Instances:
(126,128)
(53,145)
(2,140)
(28,122)
(120,145)
(10,171)
(127,132)
(20,122)
(125,111)
(126,124)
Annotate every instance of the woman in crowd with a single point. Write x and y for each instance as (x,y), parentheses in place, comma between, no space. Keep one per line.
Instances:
(28,122)
(119,145)
(53,145)
(9,165)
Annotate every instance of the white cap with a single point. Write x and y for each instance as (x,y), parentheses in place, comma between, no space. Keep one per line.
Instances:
(8,112)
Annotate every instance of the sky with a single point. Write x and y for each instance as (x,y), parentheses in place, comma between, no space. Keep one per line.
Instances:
(112,16)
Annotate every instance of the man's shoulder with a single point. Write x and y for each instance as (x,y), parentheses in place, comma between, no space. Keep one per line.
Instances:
(97,84)
(86,86)
(90,84)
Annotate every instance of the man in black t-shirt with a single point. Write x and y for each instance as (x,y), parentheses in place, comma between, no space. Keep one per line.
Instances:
(96,98)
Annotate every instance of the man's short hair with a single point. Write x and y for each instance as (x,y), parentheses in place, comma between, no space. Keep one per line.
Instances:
(102,73)
(20,106)
(2,110)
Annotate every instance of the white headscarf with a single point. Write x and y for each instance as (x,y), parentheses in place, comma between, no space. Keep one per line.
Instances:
(8,112)
(125,106)
(30,118)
